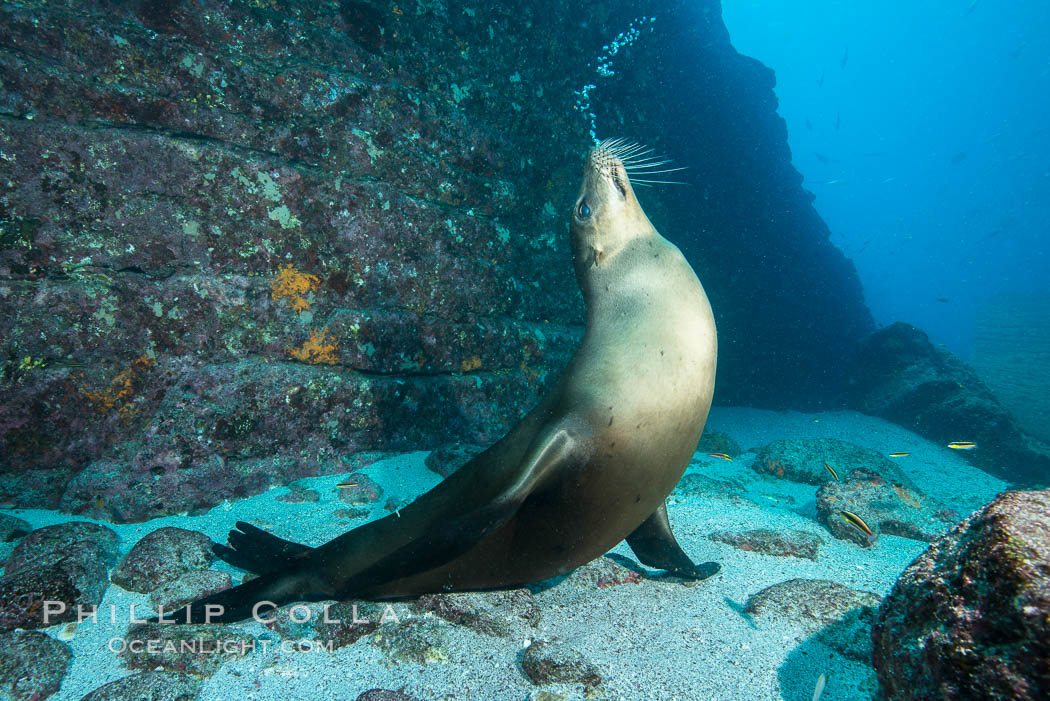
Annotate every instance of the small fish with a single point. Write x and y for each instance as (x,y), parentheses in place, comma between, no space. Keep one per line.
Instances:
(345,485)
(858,523)
(942,299)
(721,456)
(809,125)
(818,690)
(899,455)
(962,445)
(831,470)
(820,80)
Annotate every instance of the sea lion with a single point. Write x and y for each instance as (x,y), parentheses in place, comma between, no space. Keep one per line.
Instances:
(589,466)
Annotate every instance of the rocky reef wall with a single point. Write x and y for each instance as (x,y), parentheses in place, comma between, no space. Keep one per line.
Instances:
(241,240)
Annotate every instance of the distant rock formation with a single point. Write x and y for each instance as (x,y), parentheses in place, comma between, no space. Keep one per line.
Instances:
(970,617)
(238,243)
(902,377)
(1011,352)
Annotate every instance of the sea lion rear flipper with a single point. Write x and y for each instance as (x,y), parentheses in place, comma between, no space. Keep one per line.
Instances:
(253,549)
(655,545)
(256,597)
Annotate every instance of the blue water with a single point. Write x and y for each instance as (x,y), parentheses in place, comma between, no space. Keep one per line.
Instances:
(923,130)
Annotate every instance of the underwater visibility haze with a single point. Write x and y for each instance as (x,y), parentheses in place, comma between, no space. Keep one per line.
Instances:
(671,349)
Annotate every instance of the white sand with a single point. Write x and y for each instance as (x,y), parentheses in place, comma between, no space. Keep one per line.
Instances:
(654,640)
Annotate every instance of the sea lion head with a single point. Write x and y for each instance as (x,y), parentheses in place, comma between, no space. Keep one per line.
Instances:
(606,215)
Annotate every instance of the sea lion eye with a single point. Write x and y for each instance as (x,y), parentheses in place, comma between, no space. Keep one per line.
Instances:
(584,210)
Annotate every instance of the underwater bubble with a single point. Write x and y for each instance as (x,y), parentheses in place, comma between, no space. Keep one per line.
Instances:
(604,65)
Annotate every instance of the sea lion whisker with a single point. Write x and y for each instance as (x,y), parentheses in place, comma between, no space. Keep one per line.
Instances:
(647,161)
(657,182)
(615,146)
(663,170)
(654,164)
(646,156)
(625,149)
(636,151)
(642,160)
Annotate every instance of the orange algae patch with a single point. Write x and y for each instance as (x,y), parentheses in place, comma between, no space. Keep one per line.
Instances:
(775,466)
(291,287)
(472,363)
(908,497)
(320,348)
(121,388)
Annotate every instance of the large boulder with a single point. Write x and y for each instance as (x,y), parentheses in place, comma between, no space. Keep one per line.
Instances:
(32,665)
(887,507)
(902,377)
(163,556)
(804,459)
(970,617)
(56,567)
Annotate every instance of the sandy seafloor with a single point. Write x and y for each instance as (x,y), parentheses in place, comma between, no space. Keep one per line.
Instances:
(654,640)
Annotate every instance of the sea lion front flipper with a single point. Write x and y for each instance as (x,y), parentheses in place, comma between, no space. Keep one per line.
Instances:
(655,545)
(555,448)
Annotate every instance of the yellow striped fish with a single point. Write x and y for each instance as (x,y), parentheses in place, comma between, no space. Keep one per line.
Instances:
(859,523)
(720,456)
(962,445)
(899,455)
(831,470)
